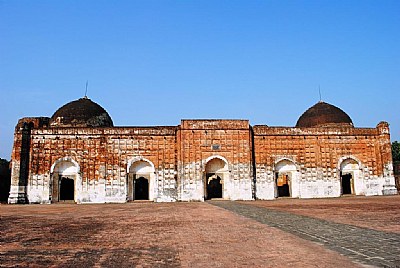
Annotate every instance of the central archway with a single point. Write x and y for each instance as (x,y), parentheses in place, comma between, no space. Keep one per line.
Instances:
(214,186)
(140,180)
(216,171)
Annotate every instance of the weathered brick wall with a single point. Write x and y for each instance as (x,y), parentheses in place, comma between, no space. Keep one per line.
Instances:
(20,157)
(103,155)
(317,154)
(202,140)
(178,159)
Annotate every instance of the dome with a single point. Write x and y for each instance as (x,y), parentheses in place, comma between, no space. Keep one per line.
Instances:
(81,113)
(324,114)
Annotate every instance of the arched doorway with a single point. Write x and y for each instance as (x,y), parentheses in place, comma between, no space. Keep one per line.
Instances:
(349,170)
(214,186)
(67,189)
(140,180)
(141,189)
(347,183)
(215,172)
(65,173)
(284,174)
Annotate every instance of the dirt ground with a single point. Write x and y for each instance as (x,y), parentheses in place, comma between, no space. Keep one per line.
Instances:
(176,234)
(380,213)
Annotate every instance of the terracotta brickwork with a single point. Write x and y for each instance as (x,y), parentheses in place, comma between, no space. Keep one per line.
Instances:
(103,155)
(203,140)
(317,154)
(196,160)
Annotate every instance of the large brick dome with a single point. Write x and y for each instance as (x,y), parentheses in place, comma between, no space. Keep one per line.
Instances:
(81,113)
(324,114)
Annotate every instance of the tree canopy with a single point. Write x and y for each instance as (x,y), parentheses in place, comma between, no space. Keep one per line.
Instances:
(396,151)
(4,161)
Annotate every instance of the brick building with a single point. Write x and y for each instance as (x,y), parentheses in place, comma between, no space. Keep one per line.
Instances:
(79,155)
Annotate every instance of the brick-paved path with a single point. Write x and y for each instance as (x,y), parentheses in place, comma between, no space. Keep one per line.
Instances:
(367,246)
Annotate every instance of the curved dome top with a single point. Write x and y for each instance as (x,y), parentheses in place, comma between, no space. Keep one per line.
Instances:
(324,114)
(81,113)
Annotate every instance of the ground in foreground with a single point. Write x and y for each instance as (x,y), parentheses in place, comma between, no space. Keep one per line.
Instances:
(178,234)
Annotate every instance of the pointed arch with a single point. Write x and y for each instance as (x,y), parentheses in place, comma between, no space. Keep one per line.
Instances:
(286,177)
(288,159)
(65,182)
(66,160)
(210,158)
(215,174)
(141,179)
(137,159)
(350,175)
(348,157)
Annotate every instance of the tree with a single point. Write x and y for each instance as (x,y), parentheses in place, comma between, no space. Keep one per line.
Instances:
(396,151)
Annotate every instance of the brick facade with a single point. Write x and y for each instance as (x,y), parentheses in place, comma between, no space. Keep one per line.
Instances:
(197,160)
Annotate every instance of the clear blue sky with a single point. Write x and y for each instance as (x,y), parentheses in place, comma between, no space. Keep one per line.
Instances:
(156,62)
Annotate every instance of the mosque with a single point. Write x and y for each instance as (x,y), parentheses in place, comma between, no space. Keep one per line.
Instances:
(78,155)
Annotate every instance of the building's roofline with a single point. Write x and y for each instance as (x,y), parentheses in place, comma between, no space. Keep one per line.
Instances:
(214,119)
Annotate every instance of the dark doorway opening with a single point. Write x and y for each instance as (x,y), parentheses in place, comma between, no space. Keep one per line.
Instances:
(346,184)
(282,183)
(142,189)
(67,189)
(214,186)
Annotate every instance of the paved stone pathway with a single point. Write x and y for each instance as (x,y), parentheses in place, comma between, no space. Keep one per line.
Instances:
(363,245)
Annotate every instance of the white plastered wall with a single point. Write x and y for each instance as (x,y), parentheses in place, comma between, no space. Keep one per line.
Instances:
(236,179)
(40,186)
